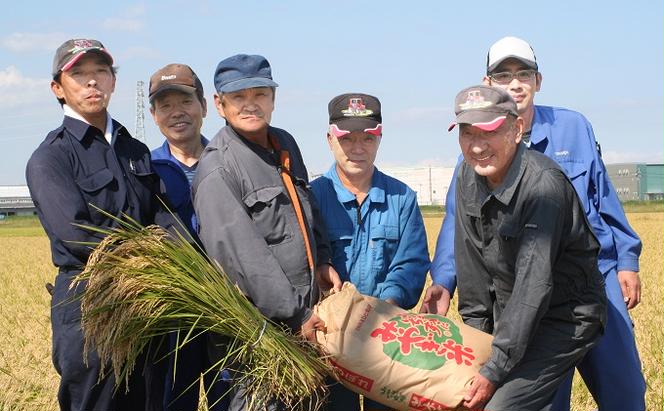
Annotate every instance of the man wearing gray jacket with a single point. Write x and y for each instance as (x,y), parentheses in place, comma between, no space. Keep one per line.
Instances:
(257,216)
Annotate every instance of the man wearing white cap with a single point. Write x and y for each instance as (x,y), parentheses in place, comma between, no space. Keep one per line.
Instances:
(611,370)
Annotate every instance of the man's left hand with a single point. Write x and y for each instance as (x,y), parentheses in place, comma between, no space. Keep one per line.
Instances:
(630,284)
(480,392)
(328,278)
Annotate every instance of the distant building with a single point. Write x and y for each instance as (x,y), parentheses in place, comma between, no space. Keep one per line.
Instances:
(637,181)
(430,183)
(15,200)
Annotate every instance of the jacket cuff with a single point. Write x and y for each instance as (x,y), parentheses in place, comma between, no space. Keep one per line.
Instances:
(395,293)
(492,373)
(447,281)
(295,322)
(628,264)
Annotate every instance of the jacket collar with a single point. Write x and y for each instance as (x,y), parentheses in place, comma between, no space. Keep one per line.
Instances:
(80,129)
(476,192)
(541,126)
(163,152)
(376,193)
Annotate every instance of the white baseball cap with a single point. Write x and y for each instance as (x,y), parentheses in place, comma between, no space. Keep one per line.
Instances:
(510,47)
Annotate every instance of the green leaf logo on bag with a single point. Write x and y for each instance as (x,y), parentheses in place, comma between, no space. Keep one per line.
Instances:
(424,341)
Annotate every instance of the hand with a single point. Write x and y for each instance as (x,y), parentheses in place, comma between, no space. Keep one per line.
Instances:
(328,278)
(480,392)
(310,327)
(392,301)
(436,300)
(630,284)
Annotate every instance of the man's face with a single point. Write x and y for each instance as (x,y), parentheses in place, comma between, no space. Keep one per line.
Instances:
(179,115)
(523,92)
(248,111)
(490,153)
(354,153)
(87,86)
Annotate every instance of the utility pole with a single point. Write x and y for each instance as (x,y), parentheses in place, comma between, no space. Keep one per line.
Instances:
(139,133)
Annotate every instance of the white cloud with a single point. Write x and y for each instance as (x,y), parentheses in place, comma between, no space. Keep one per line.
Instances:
(613,157)
(21,42)
(131,20)
(17,89)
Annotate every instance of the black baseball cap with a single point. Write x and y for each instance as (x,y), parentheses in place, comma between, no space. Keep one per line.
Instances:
(355,112)
(483,107)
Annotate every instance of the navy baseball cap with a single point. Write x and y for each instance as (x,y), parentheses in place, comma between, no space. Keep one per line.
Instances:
(243,71)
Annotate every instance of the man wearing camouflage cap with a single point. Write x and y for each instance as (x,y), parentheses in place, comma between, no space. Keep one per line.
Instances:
(90,161)
(526,258)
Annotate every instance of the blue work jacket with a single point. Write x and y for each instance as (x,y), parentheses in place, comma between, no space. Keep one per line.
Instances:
(567,137)
(380,246)
(176,186)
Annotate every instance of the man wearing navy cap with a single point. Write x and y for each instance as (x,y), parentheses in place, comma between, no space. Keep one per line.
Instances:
(567,137)
(256,214)
(90,161)
(526,258)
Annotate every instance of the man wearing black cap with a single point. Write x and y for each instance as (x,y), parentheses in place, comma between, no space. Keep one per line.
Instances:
(256,214)
(567,137)
(374,224)
(526,258)
(178,107)
(90,161)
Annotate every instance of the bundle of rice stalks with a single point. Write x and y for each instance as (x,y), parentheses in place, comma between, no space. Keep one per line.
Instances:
(142,283)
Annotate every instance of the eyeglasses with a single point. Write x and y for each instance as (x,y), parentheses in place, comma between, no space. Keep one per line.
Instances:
(506,77)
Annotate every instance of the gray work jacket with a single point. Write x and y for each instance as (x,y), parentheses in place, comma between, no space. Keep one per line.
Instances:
(248,224)
(526,258)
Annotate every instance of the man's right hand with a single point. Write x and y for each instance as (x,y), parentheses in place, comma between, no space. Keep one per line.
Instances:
(436,300)
(310,327)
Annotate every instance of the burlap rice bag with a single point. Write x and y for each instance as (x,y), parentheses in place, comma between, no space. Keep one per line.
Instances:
(403,360)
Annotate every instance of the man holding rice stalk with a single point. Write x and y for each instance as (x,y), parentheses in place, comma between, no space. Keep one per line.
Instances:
(178,106)
(375,227)
(256,214)
(526,258)
(90,163)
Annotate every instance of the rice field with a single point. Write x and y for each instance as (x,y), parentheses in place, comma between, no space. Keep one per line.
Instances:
(29,382)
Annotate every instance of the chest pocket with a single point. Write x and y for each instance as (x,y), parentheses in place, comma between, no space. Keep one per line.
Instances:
(143,174)
(383,245)
(576,172)
(341,242)
(268,208)
(100,189)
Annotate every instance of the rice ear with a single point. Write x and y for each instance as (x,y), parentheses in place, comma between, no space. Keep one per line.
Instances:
(141,282)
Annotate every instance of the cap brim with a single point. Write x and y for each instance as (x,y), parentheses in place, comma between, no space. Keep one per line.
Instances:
(482,125)
(78,56)
(530,64)
(363,124)
(245,83)
(376,130)
(167,87)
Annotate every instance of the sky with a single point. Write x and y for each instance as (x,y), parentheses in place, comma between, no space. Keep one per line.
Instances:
(603,59)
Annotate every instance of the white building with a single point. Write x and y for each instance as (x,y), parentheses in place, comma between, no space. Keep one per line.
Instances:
(430,183)
(15,200)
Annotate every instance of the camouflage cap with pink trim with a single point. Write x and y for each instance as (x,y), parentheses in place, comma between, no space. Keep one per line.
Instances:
(72,50)
(483,107)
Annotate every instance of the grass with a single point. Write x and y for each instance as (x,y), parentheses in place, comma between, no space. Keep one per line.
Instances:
(29,382)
